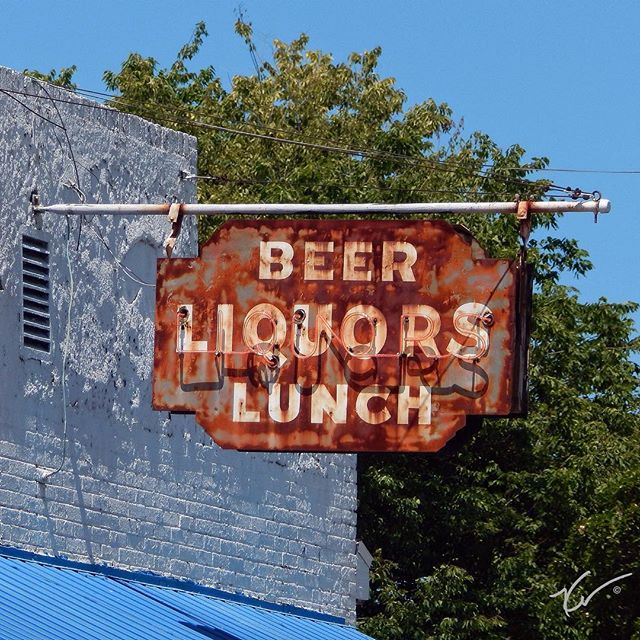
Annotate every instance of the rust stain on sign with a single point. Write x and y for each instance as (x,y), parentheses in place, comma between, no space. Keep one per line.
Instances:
(336,335)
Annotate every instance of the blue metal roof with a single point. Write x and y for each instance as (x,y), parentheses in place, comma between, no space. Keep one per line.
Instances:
(44,601)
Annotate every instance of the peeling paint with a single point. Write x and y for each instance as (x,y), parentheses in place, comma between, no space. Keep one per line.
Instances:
(339,334)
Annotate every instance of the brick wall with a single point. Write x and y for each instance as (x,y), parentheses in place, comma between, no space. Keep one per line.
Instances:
(139,489)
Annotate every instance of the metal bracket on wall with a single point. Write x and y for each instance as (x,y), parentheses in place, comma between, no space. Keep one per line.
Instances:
(34,199)
(175,218)
(523,214)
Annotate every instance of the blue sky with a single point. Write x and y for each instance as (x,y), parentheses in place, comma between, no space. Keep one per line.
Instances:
(559,78)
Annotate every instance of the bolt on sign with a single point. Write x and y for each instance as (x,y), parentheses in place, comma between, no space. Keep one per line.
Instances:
(340,335)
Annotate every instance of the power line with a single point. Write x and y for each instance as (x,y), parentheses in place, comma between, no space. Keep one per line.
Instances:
(322,141)
(101,94)
(222,180)
(55,124)
(439,165)
(78,187)
(564,192)
(66,135)
(322,145)
(65,355)
(9,93)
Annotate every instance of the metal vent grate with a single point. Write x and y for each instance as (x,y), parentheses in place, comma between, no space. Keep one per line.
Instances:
(36,320)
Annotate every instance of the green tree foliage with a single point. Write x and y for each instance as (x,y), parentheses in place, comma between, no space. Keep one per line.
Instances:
(471,542)
(524,507)
(61,79)
(303,95)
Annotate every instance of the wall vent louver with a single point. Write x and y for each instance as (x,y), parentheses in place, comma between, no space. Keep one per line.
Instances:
(36,319)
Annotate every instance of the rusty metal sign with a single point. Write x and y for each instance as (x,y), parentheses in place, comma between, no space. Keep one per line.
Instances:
(340,335)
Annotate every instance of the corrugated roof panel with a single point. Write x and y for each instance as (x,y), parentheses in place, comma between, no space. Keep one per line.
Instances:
(61,603)
(262,623)
(42,601)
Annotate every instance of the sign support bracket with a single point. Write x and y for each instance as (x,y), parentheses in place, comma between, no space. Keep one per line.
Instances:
(313,210)
(175,218)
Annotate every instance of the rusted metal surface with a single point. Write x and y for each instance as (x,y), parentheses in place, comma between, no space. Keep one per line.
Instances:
(175,218)
(340,335)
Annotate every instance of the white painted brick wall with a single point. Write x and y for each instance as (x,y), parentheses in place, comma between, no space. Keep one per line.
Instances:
(139,489)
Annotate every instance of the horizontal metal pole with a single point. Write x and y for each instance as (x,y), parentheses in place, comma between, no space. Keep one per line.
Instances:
(590,206)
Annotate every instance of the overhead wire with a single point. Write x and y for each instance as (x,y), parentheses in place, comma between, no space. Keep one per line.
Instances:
(450,166)
(223,180)
(55,124)
(65,354)
(564,192)
(76,187)
(104,95)
(322,144)
(454,166)
(330,144)
(75,161)
(476,193)
(27,107)
(442,165)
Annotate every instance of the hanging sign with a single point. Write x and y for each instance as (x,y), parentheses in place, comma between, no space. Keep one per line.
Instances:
(340,335)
